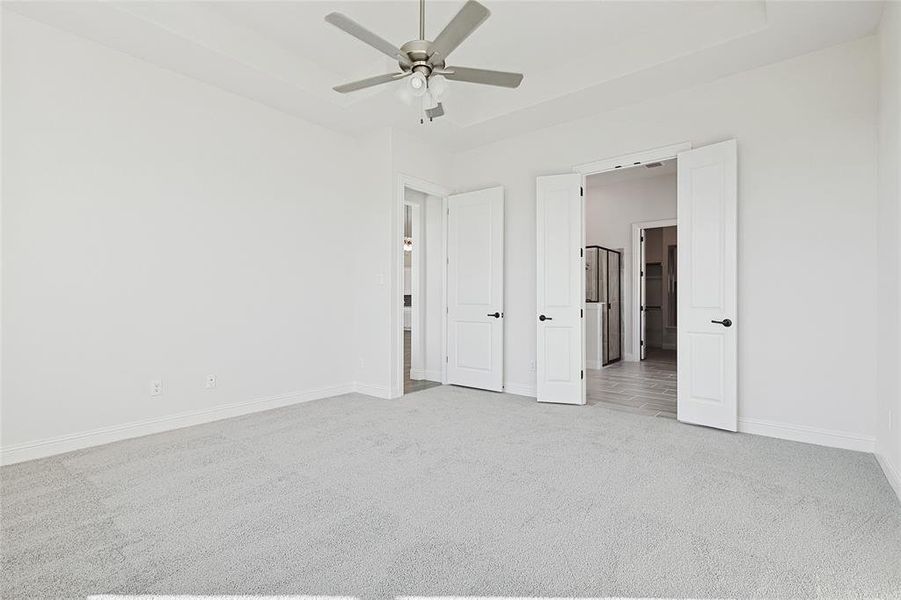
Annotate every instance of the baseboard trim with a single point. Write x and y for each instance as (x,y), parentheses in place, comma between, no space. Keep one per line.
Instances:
(594,365)
(891,473)
(520,389)
(379,391)
(809,435)
(420,374)
(96,437)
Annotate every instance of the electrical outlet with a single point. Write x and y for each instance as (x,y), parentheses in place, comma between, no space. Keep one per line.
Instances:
(156,387)
(210,382)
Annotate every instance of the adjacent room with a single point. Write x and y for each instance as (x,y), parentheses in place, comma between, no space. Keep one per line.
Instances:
(450,299)
(422,292)
(630,288)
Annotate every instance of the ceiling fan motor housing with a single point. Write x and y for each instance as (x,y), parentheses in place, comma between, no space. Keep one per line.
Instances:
(418,51)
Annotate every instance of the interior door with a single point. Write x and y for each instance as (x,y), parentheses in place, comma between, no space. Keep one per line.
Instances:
(614,307)
(475,289)
(642,289)
(706,295)
(561,293)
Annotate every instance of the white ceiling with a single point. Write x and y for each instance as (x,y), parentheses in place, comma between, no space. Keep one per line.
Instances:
(578,57)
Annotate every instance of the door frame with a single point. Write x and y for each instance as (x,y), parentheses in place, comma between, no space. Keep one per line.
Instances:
(625,161)
(396,310)
(637,229)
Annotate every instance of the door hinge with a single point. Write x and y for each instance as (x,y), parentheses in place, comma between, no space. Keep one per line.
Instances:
(581,191)
(581,313)
(581,252)
(641,343)
(642,273)
(582,375)
(642,238)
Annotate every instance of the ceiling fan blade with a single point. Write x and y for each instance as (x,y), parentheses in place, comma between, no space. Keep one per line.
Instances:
(350,26)
(460,27)
(483,76)
(369,82)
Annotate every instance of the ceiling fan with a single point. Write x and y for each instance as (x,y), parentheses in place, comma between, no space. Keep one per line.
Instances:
(423,61)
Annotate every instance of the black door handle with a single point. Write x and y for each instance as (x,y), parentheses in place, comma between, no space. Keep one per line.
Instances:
(496,315)
(543,318)
(724,322)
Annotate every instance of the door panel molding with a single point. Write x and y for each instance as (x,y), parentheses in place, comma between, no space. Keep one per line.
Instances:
(560,301)
(707,343)
(475,289)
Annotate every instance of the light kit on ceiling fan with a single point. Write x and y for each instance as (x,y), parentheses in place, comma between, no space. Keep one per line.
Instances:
(419,85)
(423,61)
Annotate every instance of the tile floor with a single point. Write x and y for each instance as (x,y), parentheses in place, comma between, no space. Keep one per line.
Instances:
(647,387)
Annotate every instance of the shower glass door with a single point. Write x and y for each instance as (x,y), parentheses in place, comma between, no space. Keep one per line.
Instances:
(603,272)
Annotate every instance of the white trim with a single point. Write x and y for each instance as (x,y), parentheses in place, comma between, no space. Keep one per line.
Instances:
(891,473)
(419,374)
(377,391)
(809,435)
(637,229)
(444,212)
(632,160)
(594,365)
(114,433)
(395,311)
(520,389)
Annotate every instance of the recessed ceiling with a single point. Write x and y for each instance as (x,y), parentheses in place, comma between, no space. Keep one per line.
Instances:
(578,57)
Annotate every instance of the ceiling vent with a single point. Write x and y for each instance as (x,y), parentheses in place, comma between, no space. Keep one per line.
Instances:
(653,165)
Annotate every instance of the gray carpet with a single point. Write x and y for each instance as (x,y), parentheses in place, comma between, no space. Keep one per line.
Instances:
(452,492)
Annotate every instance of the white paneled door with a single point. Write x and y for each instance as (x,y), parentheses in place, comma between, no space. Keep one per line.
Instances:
(561,294)
(475,289)
(706,296)
(643,293)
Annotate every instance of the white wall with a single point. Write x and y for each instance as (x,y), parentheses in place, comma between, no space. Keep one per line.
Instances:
(610,210)
(889,246)
(807,220)
(156,227)
(390,155)
(376,241)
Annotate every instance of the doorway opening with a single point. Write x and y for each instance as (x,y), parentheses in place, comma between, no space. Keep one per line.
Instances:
(631,282)
(702,194)
(422,291)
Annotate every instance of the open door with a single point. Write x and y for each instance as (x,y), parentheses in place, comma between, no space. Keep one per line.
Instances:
(561,294)
(707,346)
(475,289)
(643,290)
